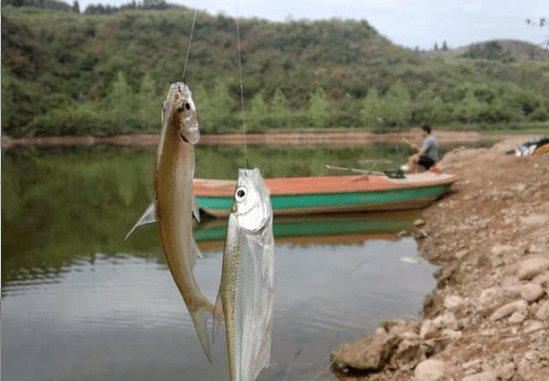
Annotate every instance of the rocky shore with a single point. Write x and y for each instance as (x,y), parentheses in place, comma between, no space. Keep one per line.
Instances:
(488,318)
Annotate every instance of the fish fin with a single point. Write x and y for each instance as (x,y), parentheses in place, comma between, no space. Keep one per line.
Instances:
(148,217)
(217,315)
(196,250)
(196,210)
(200,319)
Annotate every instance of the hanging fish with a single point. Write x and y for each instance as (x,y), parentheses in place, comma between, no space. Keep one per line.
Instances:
(246,292)
(174,202)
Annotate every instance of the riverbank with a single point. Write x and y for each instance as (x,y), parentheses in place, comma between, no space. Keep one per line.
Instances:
(282,138)
(488,318)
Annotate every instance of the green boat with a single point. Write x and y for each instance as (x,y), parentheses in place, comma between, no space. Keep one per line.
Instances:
(332,194)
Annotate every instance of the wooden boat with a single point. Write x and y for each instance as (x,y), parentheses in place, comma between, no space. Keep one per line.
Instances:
(331,194)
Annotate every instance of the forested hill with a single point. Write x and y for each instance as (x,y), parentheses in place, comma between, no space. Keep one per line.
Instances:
(70,73)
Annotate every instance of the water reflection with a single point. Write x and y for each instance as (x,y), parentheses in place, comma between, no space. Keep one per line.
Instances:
(121,317)
(79,303)
(58,202)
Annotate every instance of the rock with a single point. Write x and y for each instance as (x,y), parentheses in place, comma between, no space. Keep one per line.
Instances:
(473,364)
(532,326)
(451,334)
(427,327)
(484,376)
(419,222)
(488,296)
(531,267)
(380,331)
(403,327)
(428,347)
(461,254)
(532,355)
(448,320)
(453,301)
(408,352)
(531,292)
(513,290)
(507,371)
(430,370)
(508,309)
(534,219)
(370,353)
(543,311)
(500,249)
(542,279)
(420,234)
(409,336)
(517,318)
(446,275)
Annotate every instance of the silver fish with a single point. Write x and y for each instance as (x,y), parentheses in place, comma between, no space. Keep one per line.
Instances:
(174,202)
(246,292)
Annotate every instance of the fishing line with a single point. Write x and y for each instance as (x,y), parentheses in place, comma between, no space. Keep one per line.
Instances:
(241,86)
(189,45)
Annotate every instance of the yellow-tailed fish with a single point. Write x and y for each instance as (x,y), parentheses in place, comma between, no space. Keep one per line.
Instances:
(246,292)
(174,202)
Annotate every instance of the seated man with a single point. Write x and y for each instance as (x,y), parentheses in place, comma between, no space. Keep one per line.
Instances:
(427,154)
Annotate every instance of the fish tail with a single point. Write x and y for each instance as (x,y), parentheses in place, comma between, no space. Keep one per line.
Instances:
(200,318)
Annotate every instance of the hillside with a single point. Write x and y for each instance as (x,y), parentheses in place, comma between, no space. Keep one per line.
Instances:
(516,50)
(69,73)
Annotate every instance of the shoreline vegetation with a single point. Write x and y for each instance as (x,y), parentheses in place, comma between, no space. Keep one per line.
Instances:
(273,138)
(66,73)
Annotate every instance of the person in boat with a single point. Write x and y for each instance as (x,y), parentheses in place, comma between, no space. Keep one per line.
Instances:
(427,155)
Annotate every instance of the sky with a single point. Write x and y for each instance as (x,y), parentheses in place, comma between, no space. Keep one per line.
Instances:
(408,23)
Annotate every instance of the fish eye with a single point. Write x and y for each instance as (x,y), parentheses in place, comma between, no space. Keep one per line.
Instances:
(240,193)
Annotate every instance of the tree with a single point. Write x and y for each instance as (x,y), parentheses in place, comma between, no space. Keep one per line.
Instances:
(436,47)
(204,108)
(279,107)
(373,109)
(122,100)
(259,110)
(319,107)
(438,110)
(398,103)
(222,102)
(148,102)
(541,24)
(76,7)
(7,99)
(471,107)
(444,46)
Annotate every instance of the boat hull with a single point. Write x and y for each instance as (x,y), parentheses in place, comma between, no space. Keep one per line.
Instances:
(331,194)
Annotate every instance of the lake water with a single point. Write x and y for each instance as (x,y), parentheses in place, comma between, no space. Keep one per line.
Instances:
(79,303)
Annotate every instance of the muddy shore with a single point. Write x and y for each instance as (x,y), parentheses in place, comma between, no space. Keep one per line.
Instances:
(282,138)
(488,318)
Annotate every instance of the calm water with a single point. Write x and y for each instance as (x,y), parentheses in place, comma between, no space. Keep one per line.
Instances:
(79,303)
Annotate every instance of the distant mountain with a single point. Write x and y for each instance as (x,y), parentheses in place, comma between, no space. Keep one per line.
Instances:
(505,50)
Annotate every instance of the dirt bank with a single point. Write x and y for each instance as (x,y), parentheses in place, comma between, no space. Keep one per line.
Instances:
(282,138)
(488,319)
